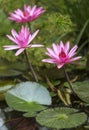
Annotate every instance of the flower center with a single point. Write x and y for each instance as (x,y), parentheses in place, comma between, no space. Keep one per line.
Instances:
(62,54)
(25,13)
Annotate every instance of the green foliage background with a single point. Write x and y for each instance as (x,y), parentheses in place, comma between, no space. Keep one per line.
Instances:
(63,20)
(54,26)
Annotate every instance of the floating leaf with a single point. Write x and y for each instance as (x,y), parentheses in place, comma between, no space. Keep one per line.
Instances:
(82,90)
(61,118)
(28,97)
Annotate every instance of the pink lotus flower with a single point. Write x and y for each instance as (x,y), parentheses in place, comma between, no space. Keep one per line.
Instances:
(29,14)
(22,40)
(61,55)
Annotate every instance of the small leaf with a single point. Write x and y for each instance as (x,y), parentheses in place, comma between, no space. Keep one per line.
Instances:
(30,114)
(61,118)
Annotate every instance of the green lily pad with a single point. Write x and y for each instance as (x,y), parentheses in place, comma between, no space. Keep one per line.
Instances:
(82,90)
(28,97)
(61,118)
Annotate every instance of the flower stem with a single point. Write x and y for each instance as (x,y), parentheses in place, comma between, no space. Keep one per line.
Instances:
(28,61)
(69,82)
(31,68)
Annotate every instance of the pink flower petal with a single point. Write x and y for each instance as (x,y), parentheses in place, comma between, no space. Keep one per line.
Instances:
(26,32)
(12,39)
(72,51)
(33,36)
(25,7)
(19,12)
(76,58)
(19,51)
(11,47)
(55,48)
(67,46)
(39,11)
(14,16)
(51,52)
(56,57)
(47,53)
(38,45)
(60,66)
(48,60)
(33,10)
(61,45)
(14,33)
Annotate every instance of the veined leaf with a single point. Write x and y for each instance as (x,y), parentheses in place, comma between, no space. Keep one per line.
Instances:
(61,118)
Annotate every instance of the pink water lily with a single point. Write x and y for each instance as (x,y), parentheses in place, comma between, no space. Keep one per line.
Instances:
(22,40)
(61,55)
(29,14)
